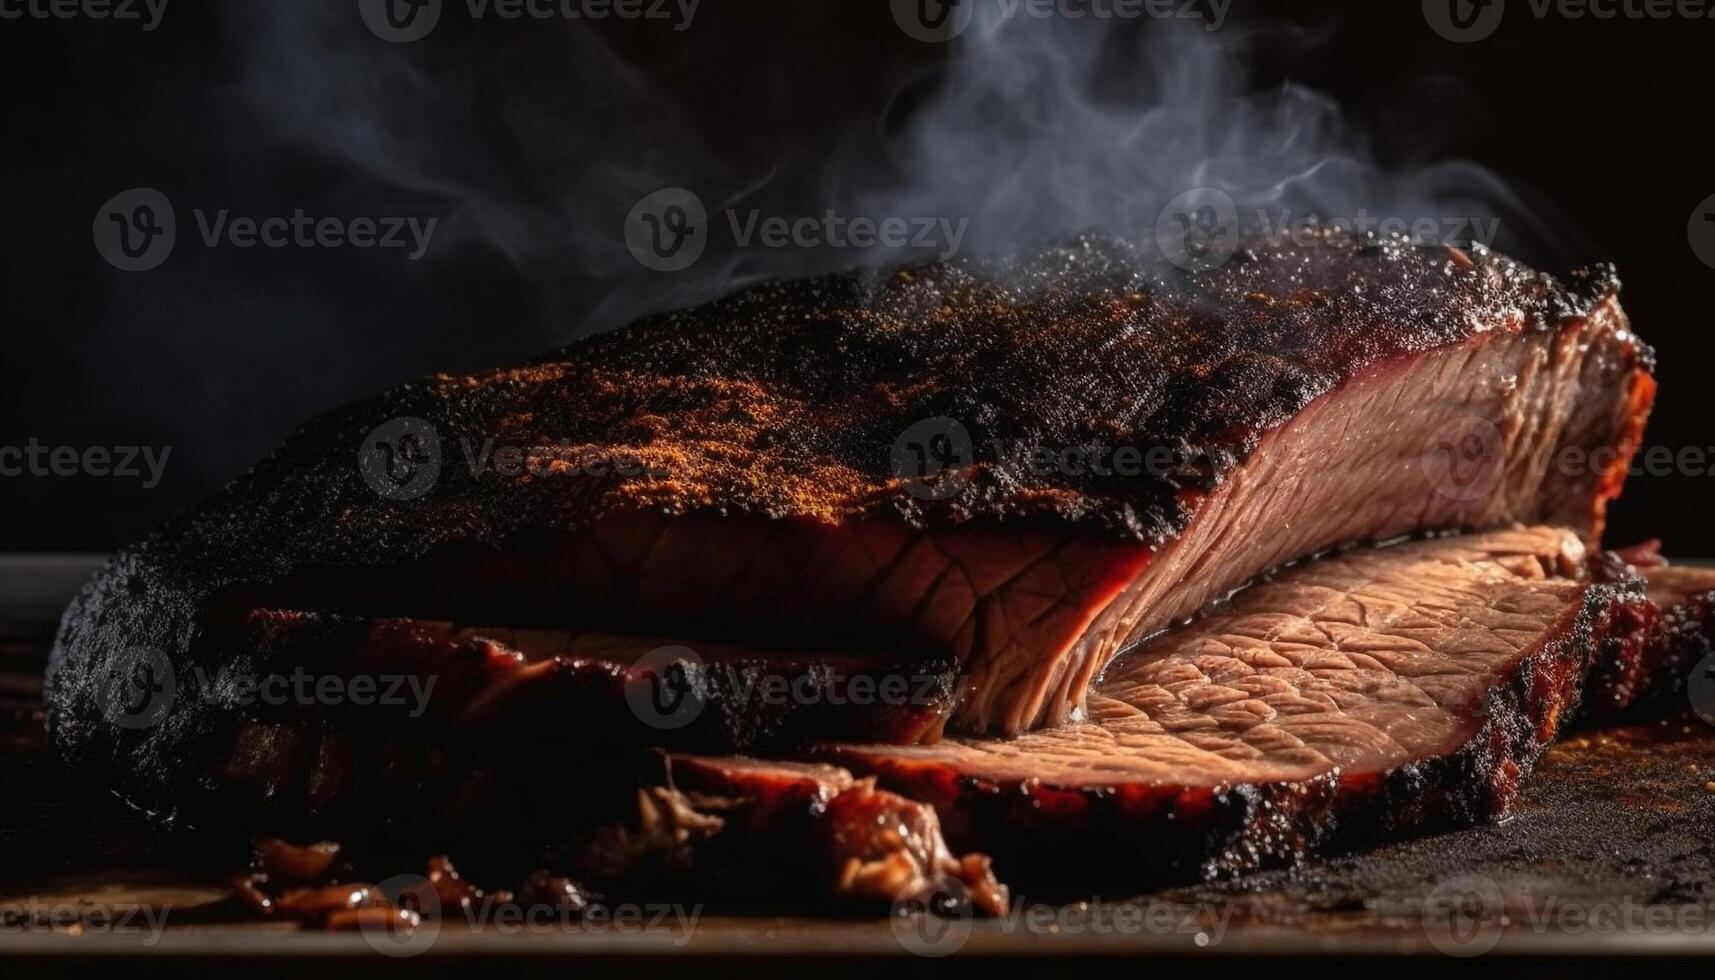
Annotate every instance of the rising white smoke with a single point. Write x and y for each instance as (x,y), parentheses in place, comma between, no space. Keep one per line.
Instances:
(1032,129)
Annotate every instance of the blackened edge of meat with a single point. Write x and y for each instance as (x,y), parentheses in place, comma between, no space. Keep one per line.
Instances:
(465,710)
(1675,634)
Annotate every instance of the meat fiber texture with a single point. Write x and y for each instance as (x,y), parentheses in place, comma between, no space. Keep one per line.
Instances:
(1366,696)
(730,476)
(1359,697)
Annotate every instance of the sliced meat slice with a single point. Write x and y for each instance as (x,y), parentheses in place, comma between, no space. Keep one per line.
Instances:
(1375,692)
(1365,695)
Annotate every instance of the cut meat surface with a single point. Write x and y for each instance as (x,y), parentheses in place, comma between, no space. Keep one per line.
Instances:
(1363,696)
(1337,474)
(1358,661)
(1393,689)
(737,478)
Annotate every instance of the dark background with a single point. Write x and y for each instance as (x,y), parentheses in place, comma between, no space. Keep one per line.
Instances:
(221,353)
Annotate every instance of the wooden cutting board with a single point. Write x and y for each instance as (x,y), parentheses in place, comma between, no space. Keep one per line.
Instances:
(1611,851)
